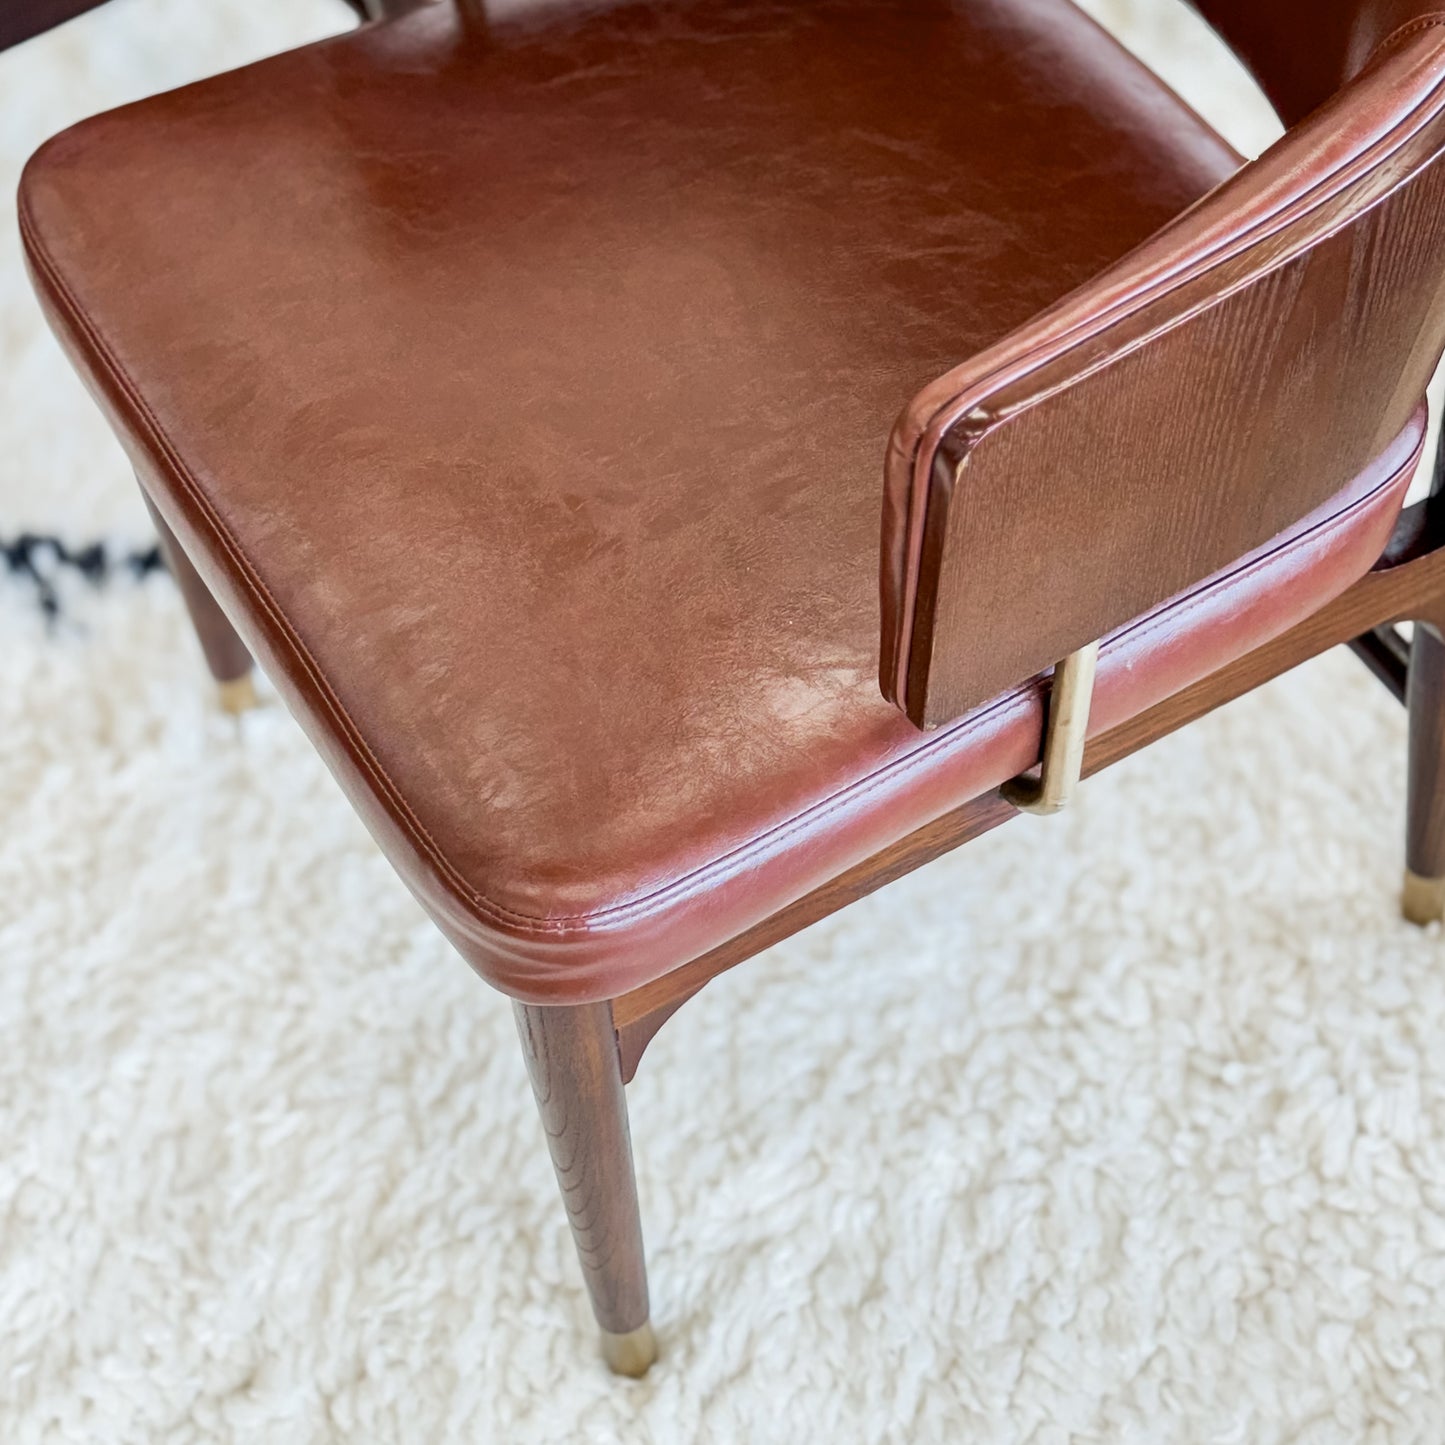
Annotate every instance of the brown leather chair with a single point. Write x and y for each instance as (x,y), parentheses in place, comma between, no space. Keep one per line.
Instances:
(520,387)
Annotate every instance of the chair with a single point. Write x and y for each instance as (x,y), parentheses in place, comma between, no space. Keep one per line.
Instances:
(520,385)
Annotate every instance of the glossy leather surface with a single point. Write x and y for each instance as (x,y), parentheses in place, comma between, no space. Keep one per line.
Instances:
(1286,327)
(522,390)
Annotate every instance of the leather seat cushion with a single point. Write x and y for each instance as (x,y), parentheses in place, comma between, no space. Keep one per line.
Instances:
(521,385)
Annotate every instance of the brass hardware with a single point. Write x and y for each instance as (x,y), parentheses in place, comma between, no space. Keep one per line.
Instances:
(631,1354)
(238,695)
(1423,900)
(1068,721)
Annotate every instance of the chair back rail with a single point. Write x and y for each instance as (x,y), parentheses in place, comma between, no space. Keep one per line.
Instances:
(1204,394)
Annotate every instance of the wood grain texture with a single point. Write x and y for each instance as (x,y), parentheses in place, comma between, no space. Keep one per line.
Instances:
(226,655)
(572,1060)
(1108,462)
(1425,815)
(1407,584)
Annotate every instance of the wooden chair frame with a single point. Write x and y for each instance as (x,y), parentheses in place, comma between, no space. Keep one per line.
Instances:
(1406,585)
(580,1057)
(1315,207)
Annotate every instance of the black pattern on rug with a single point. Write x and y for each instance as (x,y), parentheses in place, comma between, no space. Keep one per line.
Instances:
(43,561)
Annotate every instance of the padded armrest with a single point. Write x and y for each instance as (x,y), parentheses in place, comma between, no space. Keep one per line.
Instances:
(1188,405)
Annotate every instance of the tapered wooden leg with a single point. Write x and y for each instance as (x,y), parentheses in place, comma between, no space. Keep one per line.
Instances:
(576,1074)
(1424,897)
(225,653)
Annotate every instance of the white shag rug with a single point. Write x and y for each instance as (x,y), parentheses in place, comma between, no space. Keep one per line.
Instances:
(1127,1127)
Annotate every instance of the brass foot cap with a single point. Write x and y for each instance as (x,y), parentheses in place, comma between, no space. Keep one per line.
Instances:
(631,1354)
(1423,900)
(238,695)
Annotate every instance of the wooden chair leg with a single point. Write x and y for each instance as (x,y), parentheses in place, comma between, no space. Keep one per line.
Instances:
(226,654)
(1424,896)
(576,1072)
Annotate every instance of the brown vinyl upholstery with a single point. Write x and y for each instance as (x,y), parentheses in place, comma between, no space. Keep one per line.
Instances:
(522,390)
(1286,326)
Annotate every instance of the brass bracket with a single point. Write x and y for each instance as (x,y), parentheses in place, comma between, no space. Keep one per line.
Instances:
(1068,722)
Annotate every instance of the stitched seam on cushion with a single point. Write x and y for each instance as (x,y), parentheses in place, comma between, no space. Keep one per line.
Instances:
(650,902)
(1146,627)
(257,586)
(1433,21)
(1011,702)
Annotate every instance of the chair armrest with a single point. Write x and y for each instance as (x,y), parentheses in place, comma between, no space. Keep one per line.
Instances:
(1209,390)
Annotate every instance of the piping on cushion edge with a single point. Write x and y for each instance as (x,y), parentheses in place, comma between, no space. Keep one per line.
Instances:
(659,899)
